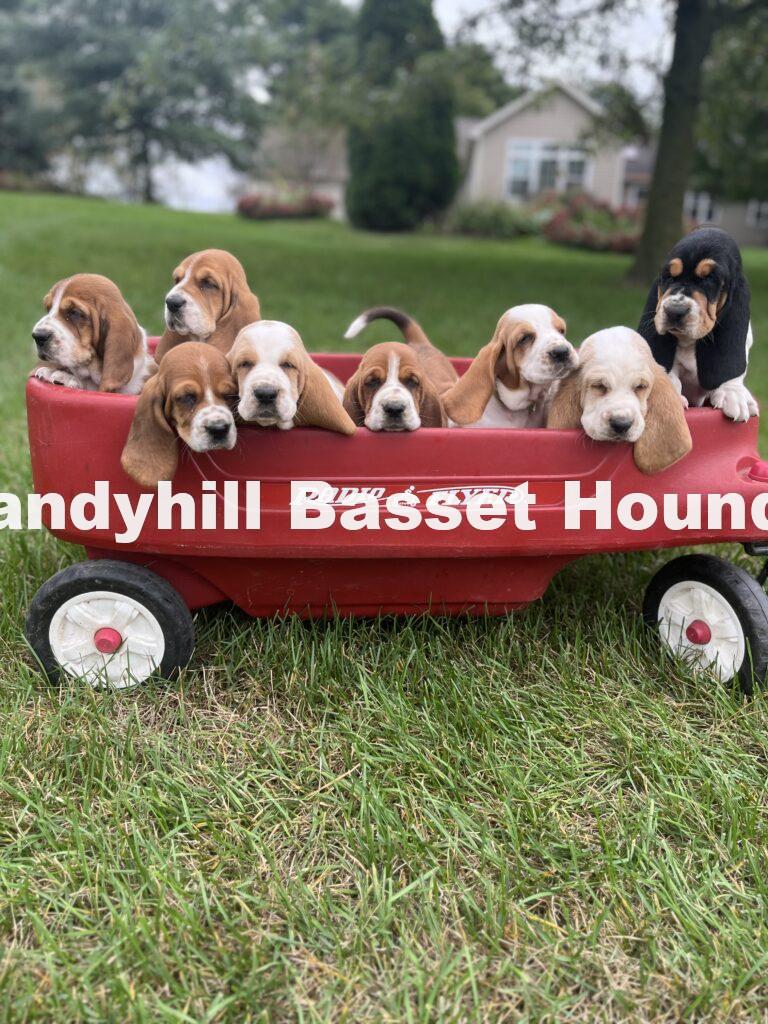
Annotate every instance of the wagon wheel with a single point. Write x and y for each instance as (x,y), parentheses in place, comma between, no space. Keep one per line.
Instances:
(112,624)
(713,615)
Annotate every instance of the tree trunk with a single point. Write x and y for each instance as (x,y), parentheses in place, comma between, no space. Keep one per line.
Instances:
(694,29)
(144,171)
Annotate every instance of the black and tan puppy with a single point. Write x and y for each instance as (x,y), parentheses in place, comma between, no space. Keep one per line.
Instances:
(696,321)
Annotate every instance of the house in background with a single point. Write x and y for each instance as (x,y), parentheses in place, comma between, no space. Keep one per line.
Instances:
(537,144)
(544,141)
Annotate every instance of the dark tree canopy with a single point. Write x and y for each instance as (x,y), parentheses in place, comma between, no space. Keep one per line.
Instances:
(402,145)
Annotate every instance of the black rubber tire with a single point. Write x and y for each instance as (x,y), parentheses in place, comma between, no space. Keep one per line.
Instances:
(151,590)
(740,590)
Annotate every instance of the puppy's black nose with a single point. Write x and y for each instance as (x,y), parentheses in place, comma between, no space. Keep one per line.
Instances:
(41,336)
(265,393)
(393,408)
(175,302)
(560,354)
(620,424)
(676,307)
(217,431)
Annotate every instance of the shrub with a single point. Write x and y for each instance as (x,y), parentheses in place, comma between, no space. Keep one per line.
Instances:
(587,223)
(257,207)
(492,220)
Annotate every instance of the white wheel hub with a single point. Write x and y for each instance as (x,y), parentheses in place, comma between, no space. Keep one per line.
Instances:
(110,640)
(701,627)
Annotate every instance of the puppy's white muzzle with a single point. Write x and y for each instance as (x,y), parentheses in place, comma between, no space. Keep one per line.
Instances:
(213,426)
(56,343)
(393,409)
(266,398)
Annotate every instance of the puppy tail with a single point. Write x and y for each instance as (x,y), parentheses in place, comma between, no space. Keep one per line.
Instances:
(410,330)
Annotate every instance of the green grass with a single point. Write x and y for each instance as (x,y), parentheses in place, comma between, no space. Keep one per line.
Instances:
(537,818)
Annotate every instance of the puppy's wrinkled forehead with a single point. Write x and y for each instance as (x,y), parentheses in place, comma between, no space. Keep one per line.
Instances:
(267,342)
(617,349)
(382,357)
(81,290)
(543,319)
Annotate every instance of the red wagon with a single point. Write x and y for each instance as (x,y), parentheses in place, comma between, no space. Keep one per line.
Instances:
(126,612)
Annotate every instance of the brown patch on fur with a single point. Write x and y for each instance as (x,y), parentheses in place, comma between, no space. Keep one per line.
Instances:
(666,438)
(708,310)
(704,267)
(375,363)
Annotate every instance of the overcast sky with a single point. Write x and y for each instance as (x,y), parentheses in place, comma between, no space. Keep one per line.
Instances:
(645,36)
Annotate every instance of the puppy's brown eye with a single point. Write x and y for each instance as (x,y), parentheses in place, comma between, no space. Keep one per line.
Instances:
(188,399)
(600,388)
(373,383)
(287,365)
(208,284)
(411,383)
(246,364)
(642,386)
(527,339)
(75,314)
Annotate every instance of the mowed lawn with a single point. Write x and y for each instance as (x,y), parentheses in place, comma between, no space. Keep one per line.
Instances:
(536,818)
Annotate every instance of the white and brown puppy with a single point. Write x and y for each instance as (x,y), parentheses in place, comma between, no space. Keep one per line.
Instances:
(279,385)
(438,368)
(210,301)
(620,393)
(509,381)
(90,339)
(189,397)
(391,391)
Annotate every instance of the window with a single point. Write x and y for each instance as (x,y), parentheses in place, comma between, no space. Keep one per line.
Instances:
(701,208)
(534,167)
(757,214)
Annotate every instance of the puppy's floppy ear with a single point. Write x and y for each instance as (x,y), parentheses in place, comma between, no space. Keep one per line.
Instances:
(352,402)
(724,356)
(565,411)
(150,454)
(465,402)
(319,405)
(663,346)
(431,411)
(666,438)
(121,339)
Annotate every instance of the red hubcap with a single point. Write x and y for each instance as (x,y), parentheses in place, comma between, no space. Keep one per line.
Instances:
(107,640)
(698,632)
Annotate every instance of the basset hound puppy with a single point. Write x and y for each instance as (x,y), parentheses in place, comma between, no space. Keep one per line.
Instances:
(696,321)
(189,397)
(620,393)
(437,367)
(391,391)
(279,385)
(210,301)
(509,381)
(90,339)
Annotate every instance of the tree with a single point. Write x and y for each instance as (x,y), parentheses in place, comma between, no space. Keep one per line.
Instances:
(144,79)
(479,85)
(732,155)
(696,25)
(402,146)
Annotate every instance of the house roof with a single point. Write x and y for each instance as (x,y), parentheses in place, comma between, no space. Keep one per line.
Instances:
(516,106)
